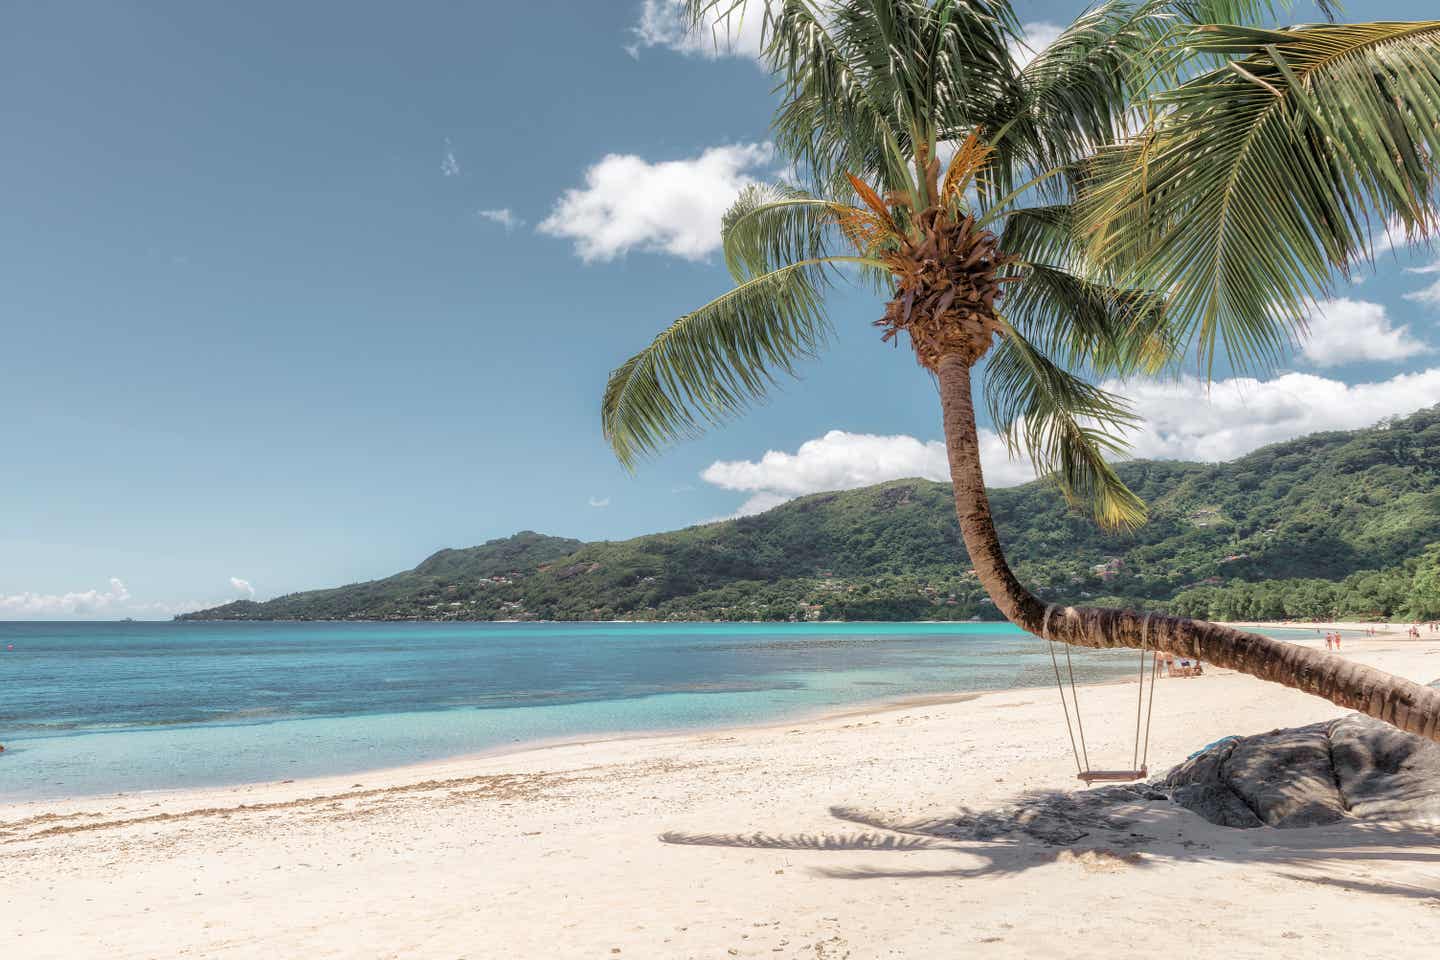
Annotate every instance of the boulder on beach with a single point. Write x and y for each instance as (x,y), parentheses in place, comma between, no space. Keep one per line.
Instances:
(1353,767)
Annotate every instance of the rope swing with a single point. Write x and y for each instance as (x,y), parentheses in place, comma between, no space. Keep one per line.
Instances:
(1140,756)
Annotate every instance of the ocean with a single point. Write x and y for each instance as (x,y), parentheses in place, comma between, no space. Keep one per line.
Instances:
(95,708)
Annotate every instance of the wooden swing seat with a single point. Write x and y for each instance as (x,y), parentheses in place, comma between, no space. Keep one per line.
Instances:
(1112,776)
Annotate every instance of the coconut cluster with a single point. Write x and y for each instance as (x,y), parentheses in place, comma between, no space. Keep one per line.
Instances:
(947,284)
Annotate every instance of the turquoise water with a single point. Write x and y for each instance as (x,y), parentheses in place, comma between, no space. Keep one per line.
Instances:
(116,707)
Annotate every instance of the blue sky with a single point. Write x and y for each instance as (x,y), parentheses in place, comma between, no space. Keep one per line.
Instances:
(299,293)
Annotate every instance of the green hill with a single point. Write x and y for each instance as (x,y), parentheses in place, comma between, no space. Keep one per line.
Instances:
(1330,524)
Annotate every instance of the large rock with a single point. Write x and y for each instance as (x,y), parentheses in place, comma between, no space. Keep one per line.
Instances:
(1307,776)
(1385,773)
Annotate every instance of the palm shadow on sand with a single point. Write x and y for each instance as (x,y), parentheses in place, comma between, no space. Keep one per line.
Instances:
(1131,826)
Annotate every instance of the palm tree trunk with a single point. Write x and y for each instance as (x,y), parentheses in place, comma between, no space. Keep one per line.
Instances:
(1386,697)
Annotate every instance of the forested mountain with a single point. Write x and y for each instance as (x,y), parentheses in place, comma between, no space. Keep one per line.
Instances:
(1332,524)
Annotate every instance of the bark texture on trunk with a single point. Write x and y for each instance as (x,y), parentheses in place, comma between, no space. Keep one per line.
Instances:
(1395,700)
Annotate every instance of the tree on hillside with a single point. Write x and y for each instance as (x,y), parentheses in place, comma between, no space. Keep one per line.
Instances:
(1424,601)
(1165,175)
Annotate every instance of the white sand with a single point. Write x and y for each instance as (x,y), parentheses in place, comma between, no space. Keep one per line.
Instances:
(800,843)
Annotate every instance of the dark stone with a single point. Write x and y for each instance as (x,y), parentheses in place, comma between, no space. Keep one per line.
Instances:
(1286,778)
(1312,775)
(1199,784)
(1385,773)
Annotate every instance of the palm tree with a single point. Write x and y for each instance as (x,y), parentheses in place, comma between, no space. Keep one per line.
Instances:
(1163,175)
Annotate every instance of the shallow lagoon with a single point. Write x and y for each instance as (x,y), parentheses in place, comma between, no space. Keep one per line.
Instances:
(112,707)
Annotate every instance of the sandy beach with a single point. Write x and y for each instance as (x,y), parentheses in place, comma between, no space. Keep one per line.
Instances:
(849,836)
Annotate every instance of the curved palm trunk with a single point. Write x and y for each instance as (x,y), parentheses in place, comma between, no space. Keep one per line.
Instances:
(1397,701)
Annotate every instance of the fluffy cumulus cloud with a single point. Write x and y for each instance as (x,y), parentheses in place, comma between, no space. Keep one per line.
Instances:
(1344,331)
(1184,420)
(842,461)
(729,31)
(837,461)
(242,587)
(673,206)
(449,162)
(599,503)
(80,603)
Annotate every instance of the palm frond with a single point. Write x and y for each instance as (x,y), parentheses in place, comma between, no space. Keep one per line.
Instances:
(1080,92)
(866,86)
(772,225)
(714,362)
(1243,12)
(835,118)
(1070,313)
(1040,234)
(1066,426)
(1081,322)
(1075,93)
(1260,179)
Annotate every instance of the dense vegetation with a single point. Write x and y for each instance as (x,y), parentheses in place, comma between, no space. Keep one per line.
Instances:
(1330,525)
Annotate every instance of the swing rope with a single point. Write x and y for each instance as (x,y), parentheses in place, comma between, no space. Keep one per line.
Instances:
(1045,632)
(1150,709)
(1138,760)
(1140,755)
(1075,695)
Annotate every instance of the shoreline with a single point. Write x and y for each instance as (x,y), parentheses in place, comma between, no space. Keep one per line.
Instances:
(422,768)
(816,715)
(1299,624)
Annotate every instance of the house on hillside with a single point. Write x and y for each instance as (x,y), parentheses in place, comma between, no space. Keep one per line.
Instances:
(1109,569)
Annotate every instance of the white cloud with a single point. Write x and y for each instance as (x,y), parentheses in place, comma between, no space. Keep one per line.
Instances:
(843,461)
(837,461)
(599,502)
(1344,331)
(449,163)
(1430,296)
(725,32)
(111,603)
(1038,36)
(1184,421)
(21,606)
(502,216)
(672,207)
